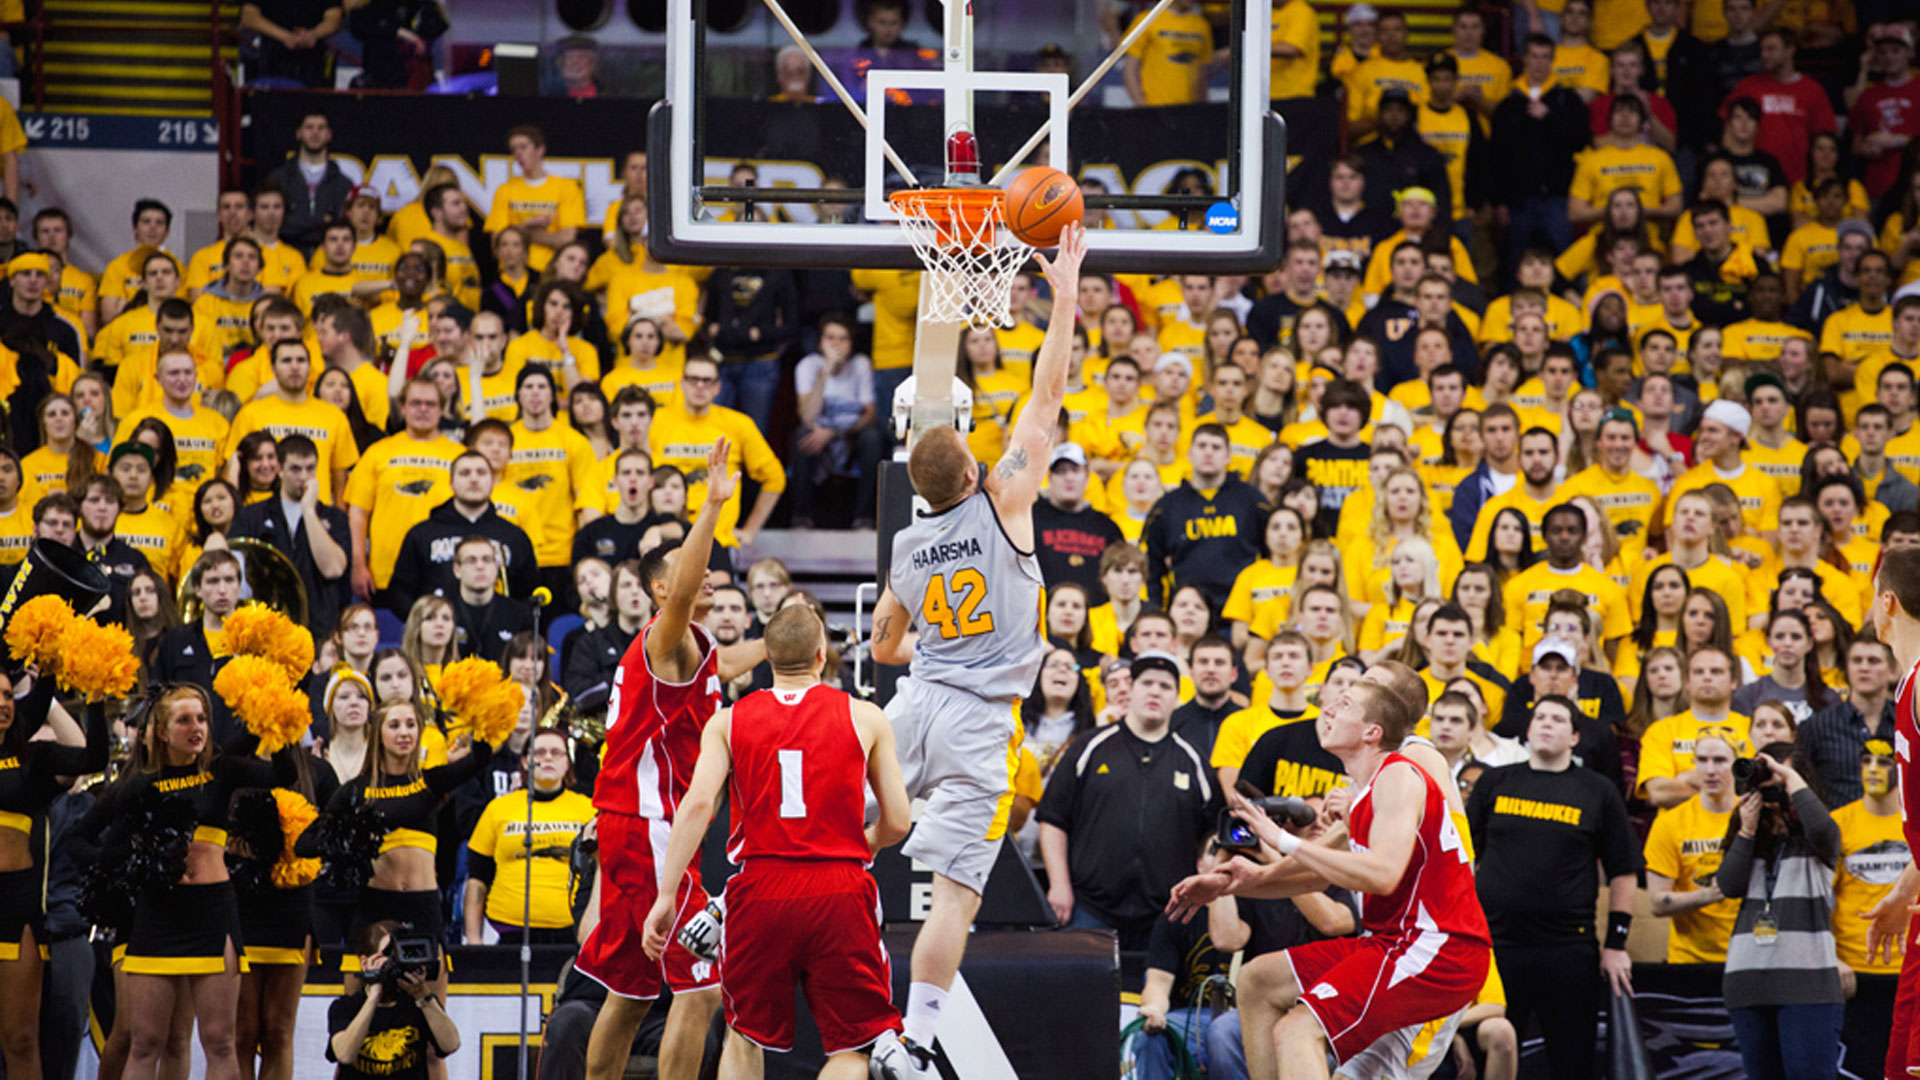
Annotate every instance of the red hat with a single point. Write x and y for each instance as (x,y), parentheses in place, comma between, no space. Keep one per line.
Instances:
(363,191)
(1893,32)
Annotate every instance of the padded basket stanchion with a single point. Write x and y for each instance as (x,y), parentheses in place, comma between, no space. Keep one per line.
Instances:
(971,256)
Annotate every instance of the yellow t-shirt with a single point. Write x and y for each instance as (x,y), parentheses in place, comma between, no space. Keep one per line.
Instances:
(132,330)
(372,259)
(896,300)
(152,532)
(1630,501)
(1527,594)
(1019,345)
(1856,335)
(680,439)
(317,420)
(1715,575)
(1782,464)
(1383,625)
(1744,226)
(1684,845)
(661,381)
(1295,23)
(555,468)
(78,291)
(1582,67)
(531,348)
(1603,170)
(1263,587)
(1759,493)
(16,532)
(463,274)
(1488,71)
(1666,749)
(316,283)
(501,835)
(1378,75)
(1800,198)
(227,323)
(1240,730)
(1757,341)
(520,200)
(1450,133)
(198,442)
(1616,21)
(1534,510)
(398,483)
(1563,320)
(1873,851)
(634,291)
(1811,249)
(1173,54)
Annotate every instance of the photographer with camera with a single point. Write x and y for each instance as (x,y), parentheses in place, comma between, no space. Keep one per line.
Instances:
(1782,981)
(382,1026)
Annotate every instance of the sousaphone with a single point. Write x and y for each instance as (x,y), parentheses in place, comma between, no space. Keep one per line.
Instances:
(266,576)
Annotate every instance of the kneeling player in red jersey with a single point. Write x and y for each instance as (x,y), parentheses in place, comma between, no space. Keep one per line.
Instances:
(1427,948)
(665,690)
(1896,621)
(803,911)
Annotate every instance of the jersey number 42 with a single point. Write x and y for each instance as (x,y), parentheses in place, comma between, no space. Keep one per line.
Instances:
(957,614)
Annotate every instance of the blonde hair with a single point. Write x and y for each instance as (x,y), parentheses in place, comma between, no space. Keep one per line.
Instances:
(160,717)
(1301,584)
(1380,527)
(1429,564)
(410,639)
(374,766)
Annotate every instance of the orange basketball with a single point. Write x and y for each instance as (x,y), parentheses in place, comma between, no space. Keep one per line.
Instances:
(1040,202)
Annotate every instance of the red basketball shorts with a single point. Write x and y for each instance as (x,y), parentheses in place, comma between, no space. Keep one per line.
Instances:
(1362,988)
(630,852)
(815,925)
(1902,1053)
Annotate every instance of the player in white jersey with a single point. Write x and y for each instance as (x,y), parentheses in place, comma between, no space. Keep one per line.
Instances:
(962,608)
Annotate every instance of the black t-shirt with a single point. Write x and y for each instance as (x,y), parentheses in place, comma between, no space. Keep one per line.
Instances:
(396,1044)
(1755,173)
(1186,950)
(1602,713)
(1272,317)
(1069,543)
(1288,760)
(1539,835)
(1338,471)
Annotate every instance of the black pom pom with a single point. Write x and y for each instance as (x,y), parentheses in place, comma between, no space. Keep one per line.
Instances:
(350,840)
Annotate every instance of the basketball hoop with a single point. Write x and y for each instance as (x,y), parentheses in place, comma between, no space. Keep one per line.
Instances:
(961,234)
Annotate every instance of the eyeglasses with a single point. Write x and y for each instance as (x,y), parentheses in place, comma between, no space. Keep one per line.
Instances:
(701,380)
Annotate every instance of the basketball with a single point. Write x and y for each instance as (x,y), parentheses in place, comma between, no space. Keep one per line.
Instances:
(1040,202)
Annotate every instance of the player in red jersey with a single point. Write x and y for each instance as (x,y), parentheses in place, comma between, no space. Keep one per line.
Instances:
(803,911)
(666,689)
(1896,621)
(1427,949)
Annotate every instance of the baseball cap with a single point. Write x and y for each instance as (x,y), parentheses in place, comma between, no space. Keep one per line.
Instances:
(1555,646)
(1362,12)
(1763,378)
(1155,661)
(1734,416)
(1343,259)
(1395,96)
(30,260)
(1068,452)
(1887,32)
(130,447)
(363,191)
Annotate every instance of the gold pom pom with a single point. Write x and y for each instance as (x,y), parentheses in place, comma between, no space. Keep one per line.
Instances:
(481,698)
(33,632)
(258,630)
(97,662)
(296,813)
(257,690)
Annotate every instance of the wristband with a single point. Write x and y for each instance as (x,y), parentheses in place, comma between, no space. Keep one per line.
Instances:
(1619,923)
(1288,843)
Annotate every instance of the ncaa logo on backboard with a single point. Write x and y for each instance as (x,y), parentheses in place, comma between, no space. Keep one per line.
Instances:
(1222,217)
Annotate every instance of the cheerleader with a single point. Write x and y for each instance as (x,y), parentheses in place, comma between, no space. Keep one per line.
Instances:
(404,886)
(34,770)
(186,941)
(277,923)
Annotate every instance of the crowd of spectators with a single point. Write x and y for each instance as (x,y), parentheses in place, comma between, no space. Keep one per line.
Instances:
(1585,388)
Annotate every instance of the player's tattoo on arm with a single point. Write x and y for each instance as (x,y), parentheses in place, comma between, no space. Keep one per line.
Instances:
(883,629)
(1013,464)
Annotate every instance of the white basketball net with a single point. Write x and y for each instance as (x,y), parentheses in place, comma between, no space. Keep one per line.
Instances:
(970,264)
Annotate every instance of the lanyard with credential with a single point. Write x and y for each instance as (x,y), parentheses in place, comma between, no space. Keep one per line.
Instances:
(1766,929)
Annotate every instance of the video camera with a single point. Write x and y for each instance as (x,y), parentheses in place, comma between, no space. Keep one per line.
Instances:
(1287,811)
(408,951)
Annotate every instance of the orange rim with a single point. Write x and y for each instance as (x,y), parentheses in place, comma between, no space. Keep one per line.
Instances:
(945,207)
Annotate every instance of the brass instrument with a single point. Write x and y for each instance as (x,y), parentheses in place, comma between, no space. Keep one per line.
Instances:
(266,576)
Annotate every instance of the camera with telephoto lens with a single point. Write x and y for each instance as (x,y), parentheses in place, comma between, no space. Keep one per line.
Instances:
(1287,811)
(407,952)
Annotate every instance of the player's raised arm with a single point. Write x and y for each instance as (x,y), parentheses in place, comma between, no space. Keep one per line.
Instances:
(690,823)
(1015,480)
(883,775)
(892,642)
(667,637)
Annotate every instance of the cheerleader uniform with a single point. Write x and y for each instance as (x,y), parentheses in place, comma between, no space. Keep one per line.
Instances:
(185,929)
(410,807)
(277,923)
(27,788)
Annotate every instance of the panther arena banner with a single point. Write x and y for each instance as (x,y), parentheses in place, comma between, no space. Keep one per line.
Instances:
(391,141)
